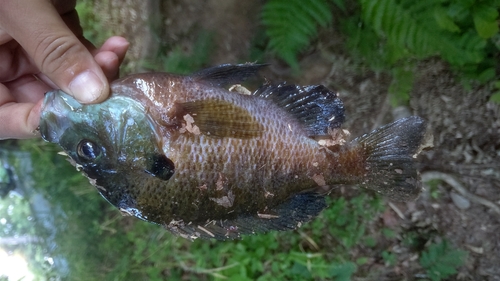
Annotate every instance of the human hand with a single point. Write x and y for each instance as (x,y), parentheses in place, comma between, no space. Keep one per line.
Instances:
(42,48)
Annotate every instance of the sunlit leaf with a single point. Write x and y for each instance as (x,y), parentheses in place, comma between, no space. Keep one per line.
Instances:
(485,21)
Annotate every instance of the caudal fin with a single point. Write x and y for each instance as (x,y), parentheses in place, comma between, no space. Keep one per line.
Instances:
(390,162)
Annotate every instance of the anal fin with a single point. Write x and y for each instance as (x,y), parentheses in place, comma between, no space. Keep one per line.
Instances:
(289,215)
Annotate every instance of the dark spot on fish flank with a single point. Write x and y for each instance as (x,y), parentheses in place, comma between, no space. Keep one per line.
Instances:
(161,167)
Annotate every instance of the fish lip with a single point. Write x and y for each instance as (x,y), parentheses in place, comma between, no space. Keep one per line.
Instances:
(53,118)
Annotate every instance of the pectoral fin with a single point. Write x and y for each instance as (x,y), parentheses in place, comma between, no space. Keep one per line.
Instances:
(219,118)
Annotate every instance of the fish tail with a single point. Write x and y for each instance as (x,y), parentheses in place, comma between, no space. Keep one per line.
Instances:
(389,167)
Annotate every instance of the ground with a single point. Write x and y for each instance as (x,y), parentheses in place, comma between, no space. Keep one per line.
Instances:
(463,206)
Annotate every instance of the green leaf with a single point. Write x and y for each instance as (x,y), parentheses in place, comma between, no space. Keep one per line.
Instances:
(440,261)
(444,20)
(361,260)
(485,21)
(495,97)
(291,24)
(389,258)
(340,4)
(388,233)
(409,32)
(487,75)
(342,272)
(401,86)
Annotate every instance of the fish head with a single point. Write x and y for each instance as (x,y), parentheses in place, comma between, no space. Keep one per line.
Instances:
(114,143)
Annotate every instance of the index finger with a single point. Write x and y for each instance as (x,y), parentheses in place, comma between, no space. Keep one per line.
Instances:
(55,49)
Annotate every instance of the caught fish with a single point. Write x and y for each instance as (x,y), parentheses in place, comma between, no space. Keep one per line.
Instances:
(188,154)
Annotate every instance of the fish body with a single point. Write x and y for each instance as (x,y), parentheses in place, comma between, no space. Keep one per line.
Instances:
(186,153)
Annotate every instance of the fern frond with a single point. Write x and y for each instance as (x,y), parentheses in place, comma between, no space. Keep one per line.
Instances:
(406,30)
(441,261)
(291,24)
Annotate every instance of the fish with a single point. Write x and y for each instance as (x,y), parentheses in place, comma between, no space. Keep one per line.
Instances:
(203,160)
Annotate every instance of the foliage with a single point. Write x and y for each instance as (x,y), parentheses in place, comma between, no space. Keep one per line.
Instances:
(495,97)
(433,186)
(461,32)
(395,35)
(15,220)
(290,25)
(407,29)
(440,261)
(389,258)
(345,219)
(70,205)
(91,23)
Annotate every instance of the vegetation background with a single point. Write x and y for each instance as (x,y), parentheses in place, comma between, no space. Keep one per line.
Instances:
(389,58)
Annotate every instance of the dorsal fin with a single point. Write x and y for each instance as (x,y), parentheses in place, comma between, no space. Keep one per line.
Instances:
(290,214)
(315,106)
(227,74)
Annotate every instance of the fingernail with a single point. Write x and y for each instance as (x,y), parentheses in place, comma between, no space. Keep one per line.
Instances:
(86,87)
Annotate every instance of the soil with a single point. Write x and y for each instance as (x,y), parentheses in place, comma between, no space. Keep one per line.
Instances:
(463,207)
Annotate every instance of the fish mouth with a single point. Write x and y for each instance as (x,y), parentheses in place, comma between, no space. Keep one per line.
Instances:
(54,115)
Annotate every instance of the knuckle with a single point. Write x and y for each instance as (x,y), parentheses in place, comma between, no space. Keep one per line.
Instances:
(57,54)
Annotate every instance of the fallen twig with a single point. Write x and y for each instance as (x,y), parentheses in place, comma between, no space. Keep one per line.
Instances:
(460,188)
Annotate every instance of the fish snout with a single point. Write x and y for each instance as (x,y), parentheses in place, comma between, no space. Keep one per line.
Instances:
(54,119)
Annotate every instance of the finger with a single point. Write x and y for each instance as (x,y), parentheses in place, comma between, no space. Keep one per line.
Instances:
(4,37)
(111,55)
(117,45)
(27,89)
(109,63)
(13,62)
(19,120)
(55,49)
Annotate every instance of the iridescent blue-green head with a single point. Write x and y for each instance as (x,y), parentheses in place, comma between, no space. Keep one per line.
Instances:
(115,143)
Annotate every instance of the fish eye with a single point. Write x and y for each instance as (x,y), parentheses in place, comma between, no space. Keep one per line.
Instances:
(88,150)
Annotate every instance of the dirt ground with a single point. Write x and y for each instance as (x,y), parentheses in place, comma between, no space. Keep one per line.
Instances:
(466,128)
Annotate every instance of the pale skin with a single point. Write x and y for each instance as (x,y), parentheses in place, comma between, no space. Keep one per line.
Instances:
(42,48)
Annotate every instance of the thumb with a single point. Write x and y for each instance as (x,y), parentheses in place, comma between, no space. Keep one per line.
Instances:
(54,48)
